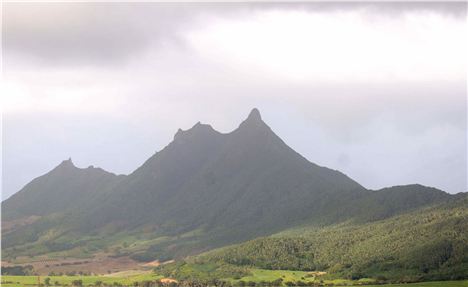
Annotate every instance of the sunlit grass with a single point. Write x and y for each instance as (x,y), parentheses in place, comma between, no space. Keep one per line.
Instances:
(21,281)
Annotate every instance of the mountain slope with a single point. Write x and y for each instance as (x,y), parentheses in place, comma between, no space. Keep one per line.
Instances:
(204,190)
(387,202)
(426,244)
(64,187)
(249,176)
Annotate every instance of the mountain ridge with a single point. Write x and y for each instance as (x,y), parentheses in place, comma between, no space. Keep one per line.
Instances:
(221,188)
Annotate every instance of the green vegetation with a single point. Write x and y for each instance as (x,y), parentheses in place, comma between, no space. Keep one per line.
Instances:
(17,270)
(257,278)
(22,281)
(293,278)
(431,244)
(430,284)
(202,272)
(211,274)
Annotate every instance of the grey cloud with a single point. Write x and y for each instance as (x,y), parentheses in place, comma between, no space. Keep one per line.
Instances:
(112,33)
(456,9)
(87,33)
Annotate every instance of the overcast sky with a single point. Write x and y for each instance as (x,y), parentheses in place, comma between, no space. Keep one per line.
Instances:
(377,91)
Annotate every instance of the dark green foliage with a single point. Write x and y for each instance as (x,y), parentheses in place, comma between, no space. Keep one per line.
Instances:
(386,202)
(17,270)
(429,244)
(269,253)
(159,252)
(201,272)
(432,255)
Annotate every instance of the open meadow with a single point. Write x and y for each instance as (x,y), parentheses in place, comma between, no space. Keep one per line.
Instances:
(32,281)
(121,279)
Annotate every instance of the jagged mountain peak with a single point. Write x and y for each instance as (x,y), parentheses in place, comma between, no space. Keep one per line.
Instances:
(254,121)
(254,115)
(66,164)
(198,129)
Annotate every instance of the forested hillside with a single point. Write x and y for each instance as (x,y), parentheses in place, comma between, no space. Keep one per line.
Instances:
(428,244)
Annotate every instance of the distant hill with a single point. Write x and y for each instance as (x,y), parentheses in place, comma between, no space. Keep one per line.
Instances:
(204,190)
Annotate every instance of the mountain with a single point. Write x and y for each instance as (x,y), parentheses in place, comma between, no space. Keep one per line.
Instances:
(204,190)
(245,179)
(59,190)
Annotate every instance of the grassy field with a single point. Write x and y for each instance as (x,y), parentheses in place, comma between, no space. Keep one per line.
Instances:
(294,276)
(121,277)
(258,275)
(430,284)
(264,277)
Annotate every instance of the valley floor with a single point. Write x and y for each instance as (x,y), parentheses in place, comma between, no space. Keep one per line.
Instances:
(128,278)
(429,284)
(98,264)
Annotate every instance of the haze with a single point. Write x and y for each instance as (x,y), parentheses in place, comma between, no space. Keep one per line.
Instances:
(377,91)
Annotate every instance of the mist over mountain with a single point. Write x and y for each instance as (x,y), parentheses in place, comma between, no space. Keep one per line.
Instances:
(205,189)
